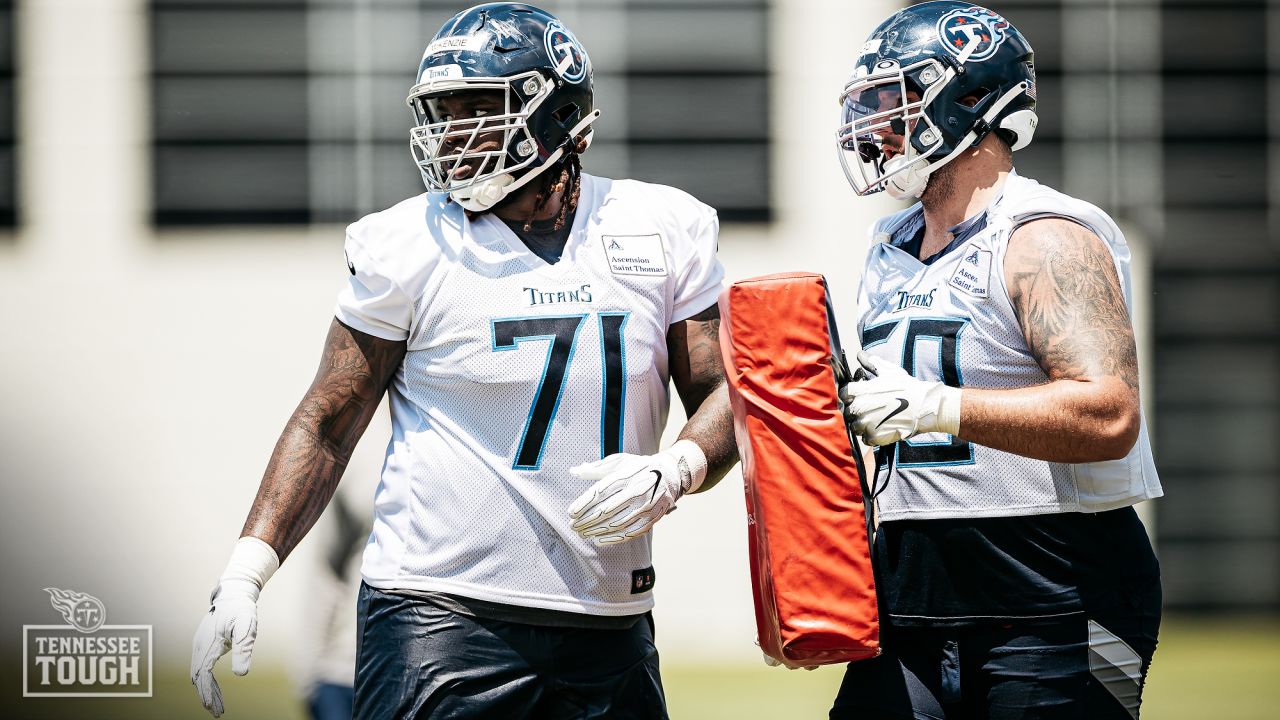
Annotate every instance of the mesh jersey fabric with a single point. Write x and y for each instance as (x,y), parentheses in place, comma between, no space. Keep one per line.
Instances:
(952,320)
(516,371)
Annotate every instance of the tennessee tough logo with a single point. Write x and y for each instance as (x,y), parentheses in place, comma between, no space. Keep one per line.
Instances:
(972,34)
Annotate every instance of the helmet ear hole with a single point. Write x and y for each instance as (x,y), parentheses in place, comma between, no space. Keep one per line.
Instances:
(565,114)
(973,99)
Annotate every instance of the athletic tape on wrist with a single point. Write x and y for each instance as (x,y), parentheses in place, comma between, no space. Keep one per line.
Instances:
(689,455)
(949,411)
(252,560)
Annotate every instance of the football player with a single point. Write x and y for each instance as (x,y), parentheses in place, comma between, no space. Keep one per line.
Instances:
(525,318)
(999,384)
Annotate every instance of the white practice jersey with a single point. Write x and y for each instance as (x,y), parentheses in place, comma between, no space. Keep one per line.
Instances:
(953,321)
(516,371)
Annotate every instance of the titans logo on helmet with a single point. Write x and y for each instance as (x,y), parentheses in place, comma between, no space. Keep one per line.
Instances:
(566,52)
(972,33)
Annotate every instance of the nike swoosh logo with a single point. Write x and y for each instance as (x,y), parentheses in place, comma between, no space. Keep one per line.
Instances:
(657,480)
(902,405)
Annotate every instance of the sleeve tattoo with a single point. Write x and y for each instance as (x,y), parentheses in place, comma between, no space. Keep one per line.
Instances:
(317,442)
(1067,296)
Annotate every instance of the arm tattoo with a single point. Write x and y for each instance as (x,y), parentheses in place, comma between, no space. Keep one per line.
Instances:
(317,442)
(694,348)
(697,369)
(1067,296)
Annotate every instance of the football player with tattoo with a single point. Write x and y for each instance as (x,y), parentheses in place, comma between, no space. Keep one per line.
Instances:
(998,383)
(525,318)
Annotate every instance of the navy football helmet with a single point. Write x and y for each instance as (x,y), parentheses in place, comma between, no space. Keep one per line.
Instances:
(541,76)
(932,81)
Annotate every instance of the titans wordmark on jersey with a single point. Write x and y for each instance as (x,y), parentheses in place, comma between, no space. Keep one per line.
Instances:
(516,371)
(952,321)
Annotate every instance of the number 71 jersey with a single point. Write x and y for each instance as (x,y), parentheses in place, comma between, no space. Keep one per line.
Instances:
(953,321)
(516,371)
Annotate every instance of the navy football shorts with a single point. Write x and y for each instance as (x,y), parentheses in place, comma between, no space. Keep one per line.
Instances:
(1082,668)
(415,659)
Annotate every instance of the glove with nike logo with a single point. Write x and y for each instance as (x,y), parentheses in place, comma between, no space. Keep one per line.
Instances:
(632,492)
(891,405)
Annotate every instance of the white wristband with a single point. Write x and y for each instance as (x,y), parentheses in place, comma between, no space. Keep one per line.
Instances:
(949,410)
(689,455)
(252,560)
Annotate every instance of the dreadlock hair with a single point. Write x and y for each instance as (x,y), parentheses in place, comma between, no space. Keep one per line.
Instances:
(567,180)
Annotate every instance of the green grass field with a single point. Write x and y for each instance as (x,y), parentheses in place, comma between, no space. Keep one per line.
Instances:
(1220,669)
(1223,670)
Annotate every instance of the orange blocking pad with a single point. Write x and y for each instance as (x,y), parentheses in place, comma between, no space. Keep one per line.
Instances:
(811,573)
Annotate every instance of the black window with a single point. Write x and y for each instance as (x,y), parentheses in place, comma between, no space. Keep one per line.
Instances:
(292,111)
(8,172)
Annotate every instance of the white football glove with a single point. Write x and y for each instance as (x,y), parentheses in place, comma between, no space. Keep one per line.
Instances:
(891,405)
(633,492)
(232,620)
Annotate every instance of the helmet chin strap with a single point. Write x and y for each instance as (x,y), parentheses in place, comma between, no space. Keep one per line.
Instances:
(479,197)
(910,176)
(485,194)
(910,181)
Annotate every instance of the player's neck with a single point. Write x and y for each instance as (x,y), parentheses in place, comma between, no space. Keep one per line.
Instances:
(519,206)
(958,191)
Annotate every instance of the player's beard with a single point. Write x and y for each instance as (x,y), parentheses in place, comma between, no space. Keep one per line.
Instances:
(941,186)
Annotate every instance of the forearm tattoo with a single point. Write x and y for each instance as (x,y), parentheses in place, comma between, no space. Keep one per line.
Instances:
(698,372)
(317,442)
(1066,292)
